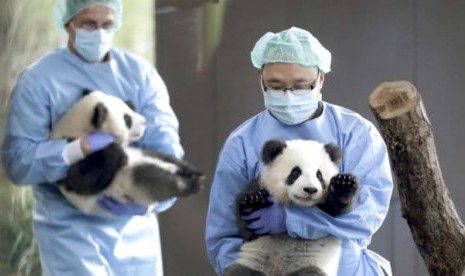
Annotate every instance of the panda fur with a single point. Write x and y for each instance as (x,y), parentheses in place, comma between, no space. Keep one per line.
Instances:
(99,112)
(303,173)
(125,173)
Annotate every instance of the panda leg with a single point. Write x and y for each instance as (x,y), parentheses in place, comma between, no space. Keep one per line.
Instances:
(94,173)
(185,169)
(241,270)
(308,271)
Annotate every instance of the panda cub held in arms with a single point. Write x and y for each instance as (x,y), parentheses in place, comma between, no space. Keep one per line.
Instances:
(125,173)
(304,173)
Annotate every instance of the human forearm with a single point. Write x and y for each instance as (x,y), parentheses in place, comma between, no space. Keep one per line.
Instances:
(28,163)
(367,216)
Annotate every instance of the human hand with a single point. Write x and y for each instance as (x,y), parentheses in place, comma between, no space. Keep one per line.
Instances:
(269,220)
(96,141)
(120,209)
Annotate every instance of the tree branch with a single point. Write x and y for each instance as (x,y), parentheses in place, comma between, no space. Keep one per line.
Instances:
(436,227)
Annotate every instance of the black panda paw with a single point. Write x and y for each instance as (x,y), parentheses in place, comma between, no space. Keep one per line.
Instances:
(343,193)
(253,200)
(343,187)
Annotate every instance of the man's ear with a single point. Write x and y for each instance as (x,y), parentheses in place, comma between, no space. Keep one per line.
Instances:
(259,74)
(68,27)
(322,79)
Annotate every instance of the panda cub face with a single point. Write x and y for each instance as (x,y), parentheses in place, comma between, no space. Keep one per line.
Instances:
(299,171)
(100,112)
(115,116)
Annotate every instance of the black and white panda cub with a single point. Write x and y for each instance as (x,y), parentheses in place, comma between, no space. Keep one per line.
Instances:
(127,174)
(304,173)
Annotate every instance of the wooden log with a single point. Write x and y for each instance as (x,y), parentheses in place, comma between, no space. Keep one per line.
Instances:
(427,207)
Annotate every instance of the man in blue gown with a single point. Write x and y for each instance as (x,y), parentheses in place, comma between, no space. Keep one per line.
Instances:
(70,242)
(292,65)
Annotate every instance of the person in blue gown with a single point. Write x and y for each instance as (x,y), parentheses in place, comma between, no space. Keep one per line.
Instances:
(292,65)
(70,242)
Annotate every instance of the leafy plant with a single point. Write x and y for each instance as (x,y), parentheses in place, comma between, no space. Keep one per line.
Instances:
(18,250)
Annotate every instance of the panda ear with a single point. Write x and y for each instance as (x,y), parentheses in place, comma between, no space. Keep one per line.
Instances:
(334,152)
(86,91)
(271,150)
(99,116)
(131,105)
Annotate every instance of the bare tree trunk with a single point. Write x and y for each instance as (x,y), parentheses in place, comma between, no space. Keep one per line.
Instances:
(426,204)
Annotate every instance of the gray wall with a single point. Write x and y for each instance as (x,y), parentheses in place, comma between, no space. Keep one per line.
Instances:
(371,42)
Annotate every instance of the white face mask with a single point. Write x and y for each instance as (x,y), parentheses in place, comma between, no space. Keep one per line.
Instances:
(292,107)
(93,45)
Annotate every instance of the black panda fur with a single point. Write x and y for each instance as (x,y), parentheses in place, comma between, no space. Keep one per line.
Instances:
(125,173)
(323,187)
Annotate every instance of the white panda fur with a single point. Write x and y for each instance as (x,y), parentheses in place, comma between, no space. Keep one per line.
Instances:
(127,174)
(304,173)
(308,155)
(76,122)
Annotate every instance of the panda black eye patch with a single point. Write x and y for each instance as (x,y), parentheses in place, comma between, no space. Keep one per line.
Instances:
(320,177)
(128,120)
(292,177)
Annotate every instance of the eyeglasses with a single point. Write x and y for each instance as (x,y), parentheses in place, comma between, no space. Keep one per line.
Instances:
(294,90)
(92,26)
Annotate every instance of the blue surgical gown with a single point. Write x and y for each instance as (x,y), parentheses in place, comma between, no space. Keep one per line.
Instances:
(365,156)
(72,243)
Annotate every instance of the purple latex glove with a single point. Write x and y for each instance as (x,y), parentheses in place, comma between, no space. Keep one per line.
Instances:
(98,141)
(269,220)
(120,209)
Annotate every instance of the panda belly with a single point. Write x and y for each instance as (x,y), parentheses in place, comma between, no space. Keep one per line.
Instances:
(281,255)
(136,157)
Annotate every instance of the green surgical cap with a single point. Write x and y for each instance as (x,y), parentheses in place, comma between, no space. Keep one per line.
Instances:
(293,45)
(65,10)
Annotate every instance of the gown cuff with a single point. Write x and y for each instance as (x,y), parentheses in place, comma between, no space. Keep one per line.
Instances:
(72,152)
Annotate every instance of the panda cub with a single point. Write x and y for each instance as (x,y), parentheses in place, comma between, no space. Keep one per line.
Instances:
(125,173)
(304,173)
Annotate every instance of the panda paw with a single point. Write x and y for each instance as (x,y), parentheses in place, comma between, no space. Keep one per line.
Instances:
(253,200)
(343,193)
(343,187)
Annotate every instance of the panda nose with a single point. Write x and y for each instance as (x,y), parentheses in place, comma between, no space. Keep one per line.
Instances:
(310,190)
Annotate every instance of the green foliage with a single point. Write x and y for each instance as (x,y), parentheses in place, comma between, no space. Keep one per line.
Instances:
(18,250)
(24,35)
(138,29)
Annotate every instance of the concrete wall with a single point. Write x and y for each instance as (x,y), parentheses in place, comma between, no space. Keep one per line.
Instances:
(371,42)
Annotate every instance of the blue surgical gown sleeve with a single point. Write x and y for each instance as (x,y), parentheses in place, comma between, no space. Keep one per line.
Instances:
(162,125)
(27,153)
(366,157)
(231,177)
